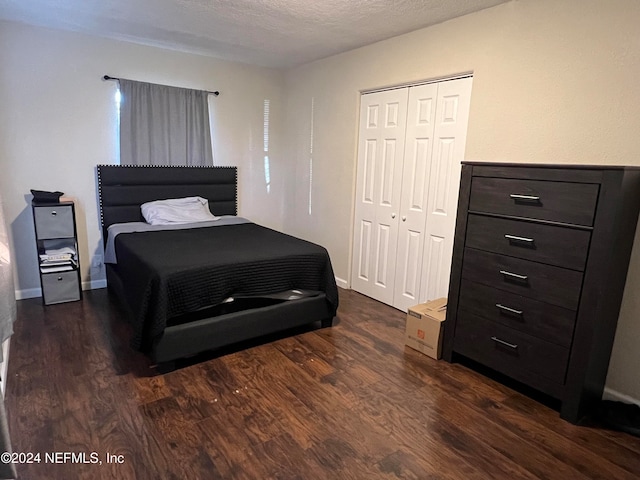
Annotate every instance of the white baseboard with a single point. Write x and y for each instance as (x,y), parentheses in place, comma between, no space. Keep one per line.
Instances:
(610,394)
(93,284)
(28,293)
(37,292)
(342,283)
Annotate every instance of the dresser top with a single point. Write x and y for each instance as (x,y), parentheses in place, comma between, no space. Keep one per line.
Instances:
(550,165)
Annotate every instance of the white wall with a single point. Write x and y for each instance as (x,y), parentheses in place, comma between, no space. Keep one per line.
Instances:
(555,81)
(58,121)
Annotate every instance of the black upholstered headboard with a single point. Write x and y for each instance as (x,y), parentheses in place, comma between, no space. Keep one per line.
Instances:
(123,188)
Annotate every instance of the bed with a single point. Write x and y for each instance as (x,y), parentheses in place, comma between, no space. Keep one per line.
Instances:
(188,290)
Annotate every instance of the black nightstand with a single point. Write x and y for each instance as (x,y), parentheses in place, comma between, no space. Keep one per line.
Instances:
(57,243)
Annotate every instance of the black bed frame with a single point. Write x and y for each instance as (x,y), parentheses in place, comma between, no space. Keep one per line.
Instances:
(122,189)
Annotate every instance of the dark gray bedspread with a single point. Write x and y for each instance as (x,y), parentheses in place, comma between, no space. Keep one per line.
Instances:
(171,273)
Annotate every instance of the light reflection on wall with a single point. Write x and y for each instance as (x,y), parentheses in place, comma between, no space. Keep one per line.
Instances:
(267,174)
(311,153)
(118,100)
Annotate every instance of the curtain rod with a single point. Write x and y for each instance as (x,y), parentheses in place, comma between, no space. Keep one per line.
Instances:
(107,77)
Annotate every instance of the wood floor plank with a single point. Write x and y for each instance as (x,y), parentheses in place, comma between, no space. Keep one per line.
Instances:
(504,441)
(284,410)
(348,402)
(403,413)
(328,403)
(619,448)
(528,426)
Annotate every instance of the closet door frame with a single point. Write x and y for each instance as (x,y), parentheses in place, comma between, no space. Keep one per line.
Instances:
(417,206)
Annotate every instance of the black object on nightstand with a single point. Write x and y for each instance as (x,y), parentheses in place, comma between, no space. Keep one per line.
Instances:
(57,244)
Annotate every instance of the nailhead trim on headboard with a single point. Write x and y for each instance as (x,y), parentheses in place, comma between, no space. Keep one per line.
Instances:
(156,167)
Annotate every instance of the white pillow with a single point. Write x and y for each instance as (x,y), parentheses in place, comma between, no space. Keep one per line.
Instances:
(177,210)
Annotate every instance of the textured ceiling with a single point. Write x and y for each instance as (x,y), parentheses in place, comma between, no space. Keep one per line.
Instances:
(274,33)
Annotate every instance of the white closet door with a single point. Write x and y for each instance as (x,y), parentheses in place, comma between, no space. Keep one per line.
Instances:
(379,182)
(451,118)
(415,189)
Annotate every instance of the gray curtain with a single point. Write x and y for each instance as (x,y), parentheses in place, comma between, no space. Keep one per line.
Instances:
(7,317)
(162,125)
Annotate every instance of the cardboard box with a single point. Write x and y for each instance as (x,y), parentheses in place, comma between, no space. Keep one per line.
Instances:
(424,327)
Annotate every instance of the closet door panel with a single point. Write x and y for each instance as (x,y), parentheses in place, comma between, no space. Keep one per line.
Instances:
(413,204)
(362,249)
(381,150)
(450,131)
(435,263)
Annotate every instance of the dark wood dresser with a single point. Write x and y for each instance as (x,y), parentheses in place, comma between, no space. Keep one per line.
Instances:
(539,267)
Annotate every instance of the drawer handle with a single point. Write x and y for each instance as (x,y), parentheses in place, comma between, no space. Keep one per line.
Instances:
(508,309)
(514,275)
(515,238)
(54,213)
(525,198)
(506,344)
(59,279)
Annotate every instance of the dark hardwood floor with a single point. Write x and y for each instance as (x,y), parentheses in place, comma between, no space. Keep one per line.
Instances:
(348,402)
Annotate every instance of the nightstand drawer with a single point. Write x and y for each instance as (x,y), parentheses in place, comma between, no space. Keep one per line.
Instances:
(54,222)
(60,287)
(555,285)
(507,350)
(554,201)
(554,245)
(545,321)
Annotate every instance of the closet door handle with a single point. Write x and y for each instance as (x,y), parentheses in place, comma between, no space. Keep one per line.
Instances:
(404,219)
(506,344)
(525,198)
(393,215)
(508,309)
(515,238)
(514,275)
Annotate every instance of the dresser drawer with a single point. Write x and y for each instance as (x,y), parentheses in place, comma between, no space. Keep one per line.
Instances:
(548,284)
(507,350)
(545,321)
(564,202)
(555,245)
(54,222)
